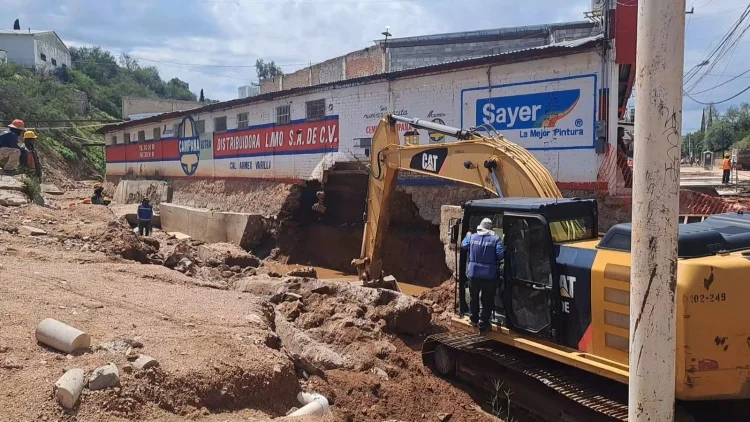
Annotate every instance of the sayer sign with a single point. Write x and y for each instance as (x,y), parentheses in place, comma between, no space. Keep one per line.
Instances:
(546,114)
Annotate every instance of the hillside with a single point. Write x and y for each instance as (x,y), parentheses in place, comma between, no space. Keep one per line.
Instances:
(65,108)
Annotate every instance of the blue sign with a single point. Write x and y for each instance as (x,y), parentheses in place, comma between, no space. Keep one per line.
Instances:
(529,111)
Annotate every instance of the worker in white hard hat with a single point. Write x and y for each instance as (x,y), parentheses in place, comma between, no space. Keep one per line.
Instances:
(485,250)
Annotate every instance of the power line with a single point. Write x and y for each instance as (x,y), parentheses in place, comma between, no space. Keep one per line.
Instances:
(723,83)
(717,102)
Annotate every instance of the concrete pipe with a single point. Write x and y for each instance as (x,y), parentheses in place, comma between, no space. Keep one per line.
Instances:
(312,409)
(307,398)
(68,388)
(61,336)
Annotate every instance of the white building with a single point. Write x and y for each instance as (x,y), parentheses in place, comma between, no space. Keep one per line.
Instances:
(248,91)
(549,100)
(41,50)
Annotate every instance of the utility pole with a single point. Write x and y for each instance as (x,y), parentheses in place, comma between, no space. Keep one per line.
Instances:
(653,274)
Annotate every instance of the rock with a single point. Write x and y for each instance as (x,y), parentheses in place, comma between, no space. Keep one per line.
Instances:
(12,199)
(11,183)
(227,274)
(292,297)
(121,345)
(127,368)
(444,417)
(144,362)
(303,272)
(104,377)
(274,274)
(185,266)
(307,353)
(51,189)
(236,268)
(4,349)
(93,305)
(322,290)
(179,236)
(151,242)
(10,364)
(379,372)
(181,251)
(227,254)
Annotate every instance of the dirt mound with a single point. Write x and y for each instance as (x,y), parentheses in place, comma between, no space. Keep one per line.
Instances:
(123,242)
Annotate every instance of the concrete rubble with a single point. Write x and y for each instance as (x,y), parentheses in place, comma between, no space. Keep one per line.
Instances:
(30,231)
(12,199)
(69,387)
(106,376)
(144,362)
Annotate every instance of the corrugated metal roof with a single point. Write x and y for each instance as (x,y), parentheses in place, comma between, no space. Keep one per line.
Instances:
(508,32)
(23,31)
(564,44)
(544,51)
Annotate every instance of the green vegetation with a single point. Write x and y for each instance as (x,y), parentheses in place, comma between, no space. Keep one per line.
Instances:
(720,132)
(267,70)
(89,93)
(32,187)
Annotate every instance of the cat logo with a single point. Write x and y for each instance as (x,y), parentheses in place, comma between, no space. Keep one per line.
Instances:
(431,160)
(567,291)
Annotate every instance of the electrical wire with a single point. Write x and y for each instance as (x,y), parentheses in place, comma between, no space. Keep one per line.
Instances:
(723,83)
(717,102)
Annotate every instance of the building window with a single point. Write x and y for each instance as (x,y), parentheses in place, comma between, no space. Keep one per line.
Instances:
(157,133)
(220,124)
(141,136)
(43,57)
(176,130)
(283,115)
(114,140)
(200,126)
(126,138)
(242,122)
(54,62)
(315,110)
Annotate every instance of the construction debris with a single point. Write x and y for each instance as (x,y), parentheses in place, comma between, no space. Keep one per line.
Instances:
(144,362)
(61,336)
(30,231)
(106,376)
(68,388)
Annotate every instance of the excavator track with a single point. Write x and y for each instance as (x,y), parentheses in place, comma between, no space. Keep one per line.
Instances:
(548,390)
(569,394)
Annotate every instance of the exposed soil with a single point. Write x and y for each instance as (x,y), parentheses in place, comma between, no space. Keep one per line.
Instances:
(231,345)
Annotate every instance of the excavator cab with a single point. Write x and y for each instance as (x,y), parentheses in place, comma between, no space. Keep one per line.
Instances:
(528,296)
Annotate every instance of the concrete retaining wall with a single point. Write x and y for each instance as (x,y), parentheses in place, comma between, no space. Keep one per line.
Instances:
(133,192)
(243,230)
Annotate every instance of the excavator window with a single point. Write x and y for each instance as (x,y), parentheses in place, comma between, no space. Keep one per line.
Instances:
(528,272)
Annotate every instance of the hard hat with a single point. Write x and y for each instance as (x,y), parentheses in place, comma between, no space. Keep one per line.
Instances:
(17,124)
(29,134)
(726,155)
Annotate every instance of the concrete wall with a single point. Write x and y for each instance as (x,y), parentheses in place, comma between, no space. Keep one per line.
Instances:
(56,52)
(133,192)
(243,230)
(133,105)
(20,48)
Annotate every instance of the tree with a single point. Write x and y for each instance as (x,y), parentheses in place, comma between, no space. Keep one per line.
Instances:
(720,136)
(267,70)
(128,62)
(100,65)
(202,98)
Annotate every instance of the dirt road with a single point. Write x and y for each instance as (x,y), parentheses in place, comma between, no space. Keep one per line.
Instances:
(237,352)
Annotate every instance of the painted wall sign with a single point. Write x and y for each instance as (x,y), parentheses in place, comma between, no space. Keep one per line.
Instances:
(547,114)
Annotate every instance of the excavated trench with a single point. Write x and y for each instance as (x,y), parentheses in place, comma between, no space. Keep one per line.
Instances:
(412,251)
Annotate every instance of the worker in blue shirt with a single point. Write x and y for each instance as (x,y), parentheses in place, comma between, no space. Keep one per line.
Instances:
(485,252)
(145,214)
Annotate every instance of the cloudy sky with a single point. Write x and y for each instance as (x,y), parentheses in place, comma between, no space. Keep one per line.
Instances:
(227,36)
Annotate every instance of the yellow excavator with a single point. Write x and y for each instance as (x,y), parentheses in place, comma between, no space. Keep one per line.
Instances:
(561,317)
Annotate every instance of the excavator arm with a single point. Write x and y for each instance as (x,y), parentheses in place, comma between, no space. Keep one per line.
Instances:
(492,163)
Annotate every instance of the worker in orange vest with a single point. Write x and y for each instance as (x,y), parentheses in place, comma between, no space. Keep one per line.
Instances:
(726,165)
